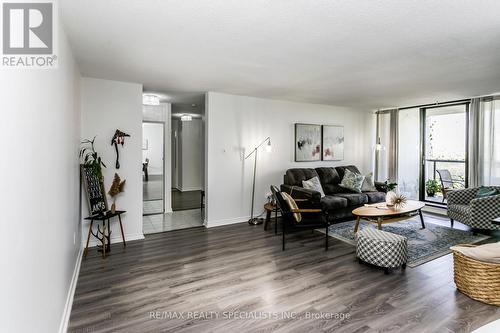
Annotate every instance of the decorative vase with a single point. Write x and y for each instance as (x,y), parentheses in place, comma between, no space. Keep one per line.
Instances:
(113,207)
(389,197)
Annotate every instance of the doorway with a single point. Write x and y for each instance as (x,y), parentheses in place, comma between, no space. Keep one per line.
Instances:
(443,166)
(153,156)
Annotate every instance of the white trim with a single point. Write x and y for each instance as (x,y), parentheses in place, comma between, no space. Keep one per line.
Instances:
(218,223)
(435,210)
(63,326)
(115,239)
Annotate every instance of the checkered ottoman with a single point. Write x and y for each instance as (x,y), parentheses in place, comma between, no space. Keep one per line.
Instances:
(381,248)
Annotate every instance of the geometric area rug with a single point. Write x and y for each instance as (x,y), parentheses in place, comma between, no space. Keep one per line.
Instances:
(423,244)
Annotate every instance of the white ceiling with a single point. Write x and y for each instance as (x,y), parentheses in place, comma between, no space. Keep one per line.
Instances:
(366,54)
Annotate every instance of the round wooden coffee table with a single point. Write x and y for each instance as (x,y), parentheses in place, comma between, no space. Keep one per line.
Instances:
(381,214)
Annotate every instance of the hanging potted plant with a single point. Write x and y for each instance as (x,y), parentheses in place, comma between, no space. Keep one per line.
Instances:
(431,187)
(91,159)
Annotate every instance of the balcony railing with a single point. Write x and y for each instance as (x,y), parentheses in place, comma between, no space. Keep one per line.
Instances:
(434,163)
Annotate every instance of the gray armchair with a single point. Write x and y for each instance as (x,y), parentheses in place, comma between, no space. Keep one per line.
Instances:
(477,213)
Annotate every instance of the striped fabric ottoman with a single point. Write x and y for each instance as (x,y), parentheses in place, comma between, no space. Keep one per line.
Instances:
(381,248)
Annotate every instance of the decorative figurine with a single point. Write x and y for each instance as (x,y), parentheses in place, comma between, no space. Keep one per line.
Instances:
(118,138)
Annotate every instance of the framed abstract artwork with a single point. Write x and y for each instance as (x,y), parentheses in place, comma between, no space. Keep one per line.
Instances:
(333,143)
(307,143)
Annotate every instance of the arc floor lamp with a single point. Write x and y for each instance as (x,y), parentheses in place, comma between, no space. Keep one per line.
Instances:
(255,220)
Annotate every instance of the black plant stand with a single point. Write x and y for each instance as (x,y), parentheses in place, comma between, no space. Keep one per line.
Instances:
(104,234)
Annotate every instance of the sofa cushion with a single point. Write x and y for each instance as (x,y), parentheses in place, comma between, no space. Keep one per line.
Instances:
(313,184)
(374,197)
(330,202)
(354,199)
(341,170)
(368,184)
(330,180)
(296,176)
(352,181)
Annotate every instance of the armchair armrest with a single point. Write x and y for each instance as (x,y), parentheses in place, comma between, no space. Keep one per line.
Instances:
(461,197)
(301,193)
(306,210)
(485,209)
(381,187)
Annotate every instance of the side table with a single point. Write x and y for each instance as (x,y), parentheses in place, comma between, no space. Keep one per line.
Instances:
(104,235)
(269,207)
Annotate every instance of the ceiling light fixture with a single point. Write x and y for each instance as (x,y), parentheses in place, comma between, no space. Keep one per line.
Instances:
(150,100)
(186,117)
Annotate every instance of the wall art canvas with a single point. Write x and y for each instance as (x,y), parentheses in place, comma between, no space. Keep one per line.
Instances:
(307,142)
(333,143)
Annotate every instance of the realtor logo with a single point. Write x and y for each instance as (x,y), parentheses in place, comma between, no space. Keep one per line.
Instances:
(28,34)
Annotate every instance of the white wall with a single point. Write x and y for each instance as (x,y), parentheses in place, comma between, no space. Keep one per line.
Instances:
(107,106)
(153,133)
(191,166)
(236,124)
(39,197)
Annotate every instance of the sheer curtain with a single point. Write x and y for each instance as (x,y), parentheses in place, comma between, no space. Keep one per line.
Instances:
(387,133)
(484,141)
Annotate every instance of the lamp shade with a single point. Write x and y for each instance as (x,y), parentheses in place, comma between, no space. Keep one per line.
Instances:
(269,148)
(150,100)
(186,117)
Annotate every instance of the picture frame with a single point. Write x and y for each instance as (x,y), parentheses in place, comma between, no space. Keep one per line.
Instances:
(332,140)
(308,144)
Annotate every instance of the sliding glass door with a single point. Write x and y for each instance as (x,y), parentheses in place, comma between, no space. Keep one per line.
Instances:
(443,164)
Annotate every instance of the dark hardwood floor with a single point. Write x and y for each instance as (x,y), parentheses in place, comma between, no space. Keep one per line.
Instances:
(240,270)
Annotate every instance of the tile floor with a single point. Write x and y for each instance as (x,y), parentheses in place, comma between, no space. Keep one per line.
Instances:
(181,219)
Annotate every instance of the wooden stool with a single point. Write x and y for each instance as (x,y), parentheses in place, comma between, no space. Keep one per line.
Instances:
(105,238)
(269,207)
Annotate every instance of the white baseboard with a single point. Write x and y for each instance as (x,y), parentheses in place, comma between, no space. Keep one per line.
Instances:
(186,189)
(63,326)
(218,223)
(115,239)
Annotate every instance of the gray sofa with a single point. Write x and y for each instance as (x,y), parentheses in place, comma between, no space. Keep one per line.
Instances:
(338,202)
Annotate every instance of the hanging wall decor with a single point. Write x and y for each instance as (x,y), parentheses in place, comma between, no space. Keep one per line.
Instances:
(307,142)
(333,143)
(118,138)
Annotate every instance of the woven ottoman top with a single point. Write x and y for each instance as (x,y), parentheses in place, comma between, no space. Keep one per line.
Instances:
(379,235)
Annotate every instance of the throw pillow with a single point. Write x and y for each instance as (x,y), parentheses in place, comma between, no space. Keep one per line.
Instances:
(293,205)
(485,253)
(352,181)
(313,184)
(485,191)
(368,184)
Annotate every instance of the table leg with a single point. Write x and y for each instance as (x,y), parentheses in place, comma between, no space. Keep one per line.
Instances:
(357,224)
(268,219)
(379,222)
(421,218)
(86,251)
(103,239)
(276,221)
(121,228)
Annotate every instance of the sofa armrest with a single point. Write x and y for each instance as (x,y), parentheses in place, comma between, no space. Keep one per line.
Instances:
(381,187)
(302,193)
(461,197)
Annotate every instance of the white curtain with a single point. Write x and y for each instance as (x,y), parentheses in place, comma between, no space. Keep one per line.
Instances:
(484,141)
(387,133)
(489,171)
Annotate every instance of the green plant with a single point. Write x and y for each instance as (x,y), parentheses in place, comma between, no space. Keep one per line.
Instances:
(90,157)
(431,187)
(390,185)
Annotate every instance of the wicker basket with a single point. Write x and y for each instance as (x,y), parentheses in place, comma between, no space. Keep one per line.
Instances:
(478,280)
